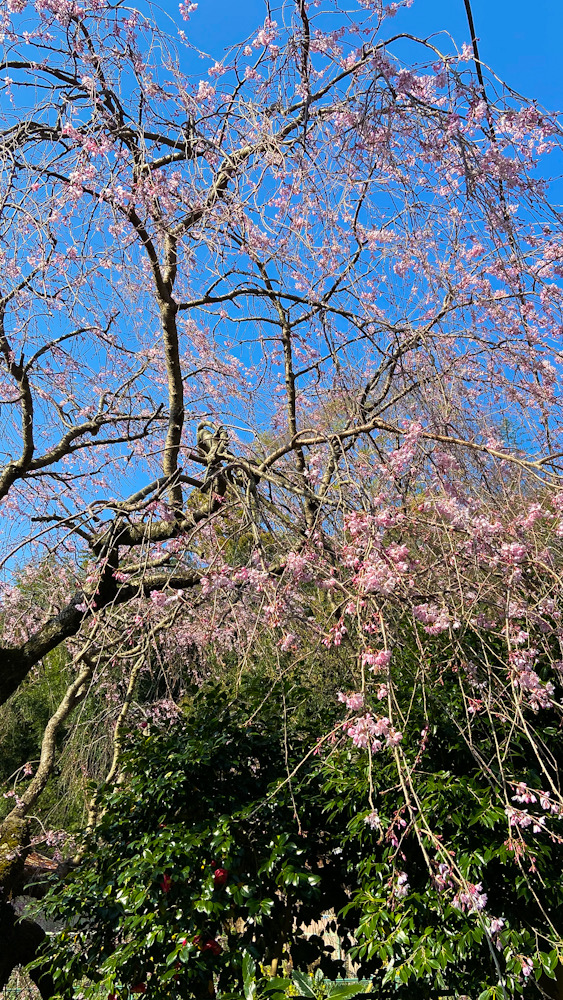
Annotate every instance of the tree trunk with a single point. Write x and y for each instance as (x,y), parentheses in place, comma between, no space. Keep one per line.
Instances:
(20,938)
(20,942)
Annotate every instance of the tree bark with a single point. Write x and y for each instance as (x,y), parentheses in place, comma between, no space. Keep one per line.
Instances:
(21,940)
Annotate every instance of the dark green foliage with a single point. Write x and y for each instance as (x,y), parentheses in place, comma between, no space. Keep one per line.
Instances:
(22,724)
(446,804)
(210,793)
(299,985)
(236,786)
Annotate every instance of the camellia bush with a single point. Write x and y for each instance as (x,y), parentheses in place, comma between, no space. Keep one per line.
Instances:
(208,850)
(436,848)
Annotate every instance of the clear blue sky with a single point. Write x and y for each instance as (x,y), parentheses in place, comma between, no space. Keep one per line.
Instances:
(522,42)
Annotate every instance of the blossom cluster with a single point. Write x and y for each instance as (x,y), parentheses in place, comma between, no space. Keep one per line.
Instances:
(369,731)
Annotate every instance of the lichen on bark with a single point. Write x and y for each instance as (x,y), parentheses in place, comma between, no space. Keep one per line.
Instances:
(14,839)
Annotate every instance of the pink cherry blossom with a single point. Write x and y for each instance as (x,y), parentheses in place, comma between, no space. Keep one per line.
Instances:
(352,701)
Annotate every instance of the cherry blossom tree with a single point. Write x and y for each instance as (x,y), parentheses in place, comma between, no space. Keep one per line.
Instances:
(280,357)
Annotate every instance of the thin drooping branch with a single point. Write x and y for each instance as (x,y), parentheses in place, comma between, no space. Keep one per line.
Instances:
(118,735)
(18,661)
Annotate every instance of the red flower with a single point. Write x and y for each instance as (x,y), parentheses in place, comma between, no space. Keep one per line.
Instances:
(213,946)
(220,876)
(210,945)
(166,883)
(139,988)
